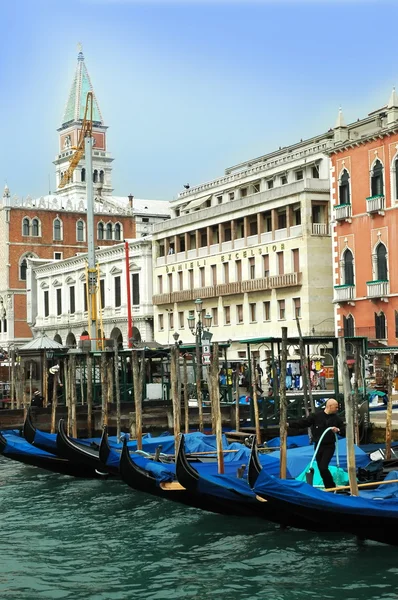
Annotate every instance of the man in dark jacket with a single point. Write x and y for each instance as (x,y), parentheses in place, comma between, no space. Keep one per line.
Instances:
(319,422)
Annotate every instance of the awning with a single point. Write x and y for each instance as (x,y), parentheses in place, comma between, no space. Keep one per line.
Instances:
(196,203)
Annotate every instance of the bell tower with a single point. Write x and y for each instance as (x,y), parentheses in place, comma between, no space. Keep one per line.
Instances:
(69,134)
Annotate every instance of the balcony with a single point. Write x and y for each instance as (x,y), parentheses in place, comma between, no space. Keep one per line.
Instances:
(342,212)
(344,293)
(375,204)
(226,289)
(320,229)
(182,296)
(296,231)
(372,333)
(377,289)
(161,299)
(273,282)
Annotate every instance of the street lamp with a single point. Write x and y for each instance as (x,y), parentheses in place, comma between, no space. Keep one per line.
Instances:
(197,328)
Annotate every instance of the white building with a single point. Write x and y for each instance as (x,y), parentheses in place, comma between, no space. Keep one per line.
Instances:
(254,245)
(57,299)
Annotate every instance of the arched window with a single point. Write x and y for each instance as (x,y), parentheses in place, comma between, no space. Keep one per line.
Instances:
(348,267)
(377,185)
(35,227)
(381,262)
(100,234)
(101,177)
(380,326)
(57,233)
(23,267)
(80,231)
(118,232)
(95,176)
(344,188)
(349,326)
(109,231)
(25,226)
(83,175)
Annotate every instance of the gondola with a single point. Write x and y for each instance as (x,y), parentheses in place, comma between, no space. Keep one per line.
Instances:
(158,479)
(372,515)
(237,489)
(78,453)
(17,448)
(109,457)
(48,441)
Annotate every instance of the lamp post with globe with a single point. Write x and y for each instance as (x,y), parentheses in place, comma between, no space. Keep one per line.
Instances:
(197,329)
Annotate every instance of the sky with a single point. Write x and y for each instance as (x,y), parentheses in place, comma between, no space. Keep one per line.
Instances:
(188,88)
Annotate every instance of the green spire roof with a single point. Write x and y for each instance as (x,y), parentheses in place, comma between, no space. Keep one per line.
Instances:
(74,110)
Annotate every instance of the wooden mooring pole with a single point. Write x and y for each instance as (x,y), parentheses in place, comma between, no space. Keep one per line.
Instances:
(117,392)
(186,396)
(104,389)
(73,395)
(214,392)
(349,414)
(138,371)
(255,401)
(283,406)
(54,403)
(389,407)
(176,401)
(89,377)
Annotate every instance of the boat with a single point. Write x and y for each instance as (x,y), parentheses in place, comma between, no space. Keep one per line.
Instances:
(48,441)
(371,515)
(159,479)
(17,448)
(237,489)
(79,453)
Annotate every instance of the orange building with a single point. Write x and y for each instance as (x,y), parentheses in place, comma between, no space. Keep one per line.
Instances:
(364,188)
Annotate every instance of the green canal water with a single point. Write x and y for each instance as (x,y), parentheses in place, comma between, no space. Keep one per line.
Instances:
(98,540)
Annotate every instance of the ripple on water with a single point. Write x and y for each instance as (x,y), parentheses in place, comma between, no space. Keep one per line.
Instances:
(98,540)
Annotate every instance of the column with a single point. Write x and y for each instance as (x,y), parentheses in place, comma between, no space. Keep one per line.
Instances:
(245,229)
(197,238)
(233,232)
(259,224)
(274,220)
(186,237)
(289,219)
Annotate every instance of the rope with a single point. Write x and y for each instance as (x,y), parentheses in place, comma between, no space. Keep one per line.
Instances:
(318,445)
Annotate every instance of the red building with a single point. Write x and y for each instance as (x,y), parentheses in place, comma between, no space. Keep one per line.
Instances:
(364,172)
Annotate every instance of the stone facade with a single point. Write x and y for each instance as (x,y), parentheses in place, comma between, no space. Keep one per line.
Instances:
(57,302)
(255,246)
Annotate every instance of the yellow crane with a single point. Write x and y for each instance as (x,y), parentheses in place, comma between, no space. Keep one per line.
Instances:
(86,130)
(92,272)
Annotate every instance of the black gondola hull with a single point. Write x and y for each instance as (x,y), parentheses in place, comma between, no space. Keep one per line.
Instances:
(54,464)
(79,454)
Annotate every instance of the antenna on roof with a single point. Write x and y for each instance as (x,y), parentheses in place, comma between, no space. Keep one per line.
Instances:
(49,185)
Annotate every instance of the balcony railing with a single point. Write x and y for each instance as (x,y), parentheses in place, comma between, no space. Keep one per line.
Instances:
(377,289)
(369,332)
(344,293)
(375,204)
(183,296)
(272,282)
(320,229)
(161,298)
(225,289)
(342,212)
